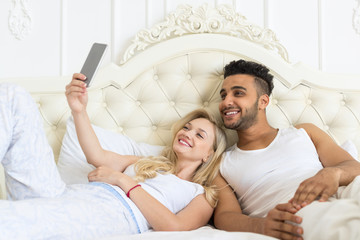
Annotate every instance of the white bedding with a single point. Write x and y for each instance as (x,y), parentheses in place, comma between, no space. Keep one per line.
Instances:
(338,218)
(203,233)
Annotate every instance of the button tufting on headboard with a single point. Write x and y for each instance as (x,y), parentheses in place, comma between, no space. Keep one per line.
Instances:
(150,103)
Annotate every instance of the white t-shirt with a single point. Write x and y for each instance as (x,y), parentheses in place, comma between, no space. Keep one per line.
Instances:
(266,177)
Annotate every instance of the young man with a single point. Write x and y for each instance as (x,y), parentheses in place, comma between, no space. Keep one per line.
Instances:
(277,173)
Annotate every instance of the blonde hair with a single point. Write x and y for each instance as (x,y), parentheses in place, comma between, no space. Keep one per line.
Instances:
(166,163)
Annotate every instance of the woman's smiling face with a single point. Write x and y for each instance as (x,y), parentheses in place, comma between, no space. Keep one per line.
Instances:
(195,140)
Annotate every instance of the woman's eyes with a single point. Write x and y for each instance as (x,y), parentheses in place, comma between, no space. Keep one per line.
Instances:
(199,135)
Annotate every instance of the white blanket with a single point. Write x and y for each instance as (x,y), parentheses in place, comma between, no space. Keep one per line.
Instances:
(336,219)
(203,233)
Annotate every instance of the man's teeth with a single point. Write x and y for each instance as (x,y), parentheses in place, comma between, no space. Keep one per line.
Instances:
(231,113)
(183,142)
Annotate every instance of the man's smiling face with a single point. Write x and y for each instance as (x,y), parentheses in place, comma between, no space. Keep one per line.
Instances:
(239,104)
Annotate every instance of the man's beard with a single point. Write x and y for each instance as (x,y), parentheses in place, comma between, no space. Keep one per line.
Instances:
(246,121)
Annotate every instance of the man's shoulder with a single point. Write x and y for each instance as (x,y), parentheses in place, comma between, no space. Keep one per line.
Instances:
(310,128)
(306,126)
(229,152)
(231,148)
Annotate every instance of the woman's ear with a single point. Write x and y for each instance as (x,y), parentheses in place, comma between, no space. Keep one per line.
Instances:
(204,160)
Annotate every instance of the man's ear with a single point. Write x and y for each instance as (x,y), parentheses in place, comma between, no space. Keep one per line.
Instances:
(263,101)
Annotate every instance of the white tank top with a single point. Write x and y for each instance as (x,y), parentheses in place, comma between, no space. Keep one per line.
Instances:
(266,177)
(172,191)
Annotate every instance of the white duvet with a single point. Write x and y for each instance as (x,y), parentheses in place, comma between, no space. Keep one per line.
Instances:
(203,233)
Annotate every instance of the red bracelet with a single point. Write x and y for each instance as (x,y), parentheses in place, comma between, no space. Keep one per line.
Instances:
(128,193)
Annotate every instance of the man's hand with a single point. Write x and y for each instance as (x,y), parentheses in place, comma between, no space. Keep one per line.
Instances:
(323,185)
(280,222)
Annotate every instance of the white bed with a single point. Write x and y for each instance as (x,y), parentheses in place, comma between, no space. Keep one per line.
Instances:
(177,66)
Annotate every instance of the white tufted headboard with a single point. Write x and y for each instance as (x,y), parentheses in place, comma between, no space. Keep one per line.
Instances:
(177,66)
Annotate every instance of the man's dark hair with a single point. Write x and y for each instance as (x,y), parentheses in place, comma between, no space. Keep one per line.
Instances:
(263,79)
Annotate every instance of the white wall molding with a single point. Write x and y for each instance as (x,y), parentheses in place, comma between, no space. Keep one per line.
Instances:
(320,34)
(112,33)
(266,14)
(63,37)
(20,22)
(356,17)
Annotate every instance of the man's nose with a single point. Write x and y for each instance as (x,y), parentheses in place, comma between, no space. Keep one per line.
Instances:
(227,101)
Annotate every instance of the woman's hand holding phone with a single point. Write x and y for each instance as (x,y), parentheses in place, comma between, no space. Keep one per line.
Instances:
(76,93)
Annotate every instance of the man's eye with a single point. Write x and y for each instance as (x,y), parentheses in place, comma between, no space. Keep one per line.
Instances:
(223,96)
(238,93)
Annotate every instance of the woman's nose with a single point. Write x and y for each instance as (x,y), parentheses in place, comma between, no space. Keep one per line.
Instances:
(188,134)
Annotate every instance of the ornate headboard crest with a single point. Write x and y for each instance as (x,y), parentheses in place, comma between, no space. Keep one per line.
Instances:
(204,19)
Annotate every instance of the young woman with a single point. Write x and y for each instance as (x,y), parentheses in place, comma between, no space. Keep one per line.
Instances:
(126,194)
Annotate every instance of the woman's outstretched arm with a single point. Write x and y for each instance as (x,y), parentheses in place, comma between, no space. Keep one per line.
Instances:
(77,97)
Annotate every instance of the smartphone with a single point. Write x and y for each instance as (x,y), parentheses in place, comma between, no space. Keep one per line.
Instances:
(93,61)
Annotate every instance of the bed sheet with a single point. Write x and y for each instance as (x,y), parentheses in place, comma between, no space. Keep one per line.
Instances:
(206,232)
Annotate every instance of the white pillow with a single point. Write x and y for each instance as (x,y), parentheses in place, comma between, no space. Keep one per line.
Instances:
(72,163)
(74,168)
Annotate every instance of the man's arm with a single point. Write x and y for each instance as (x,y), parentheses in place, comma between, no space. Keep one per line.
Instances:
(340,168)
(228,216)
